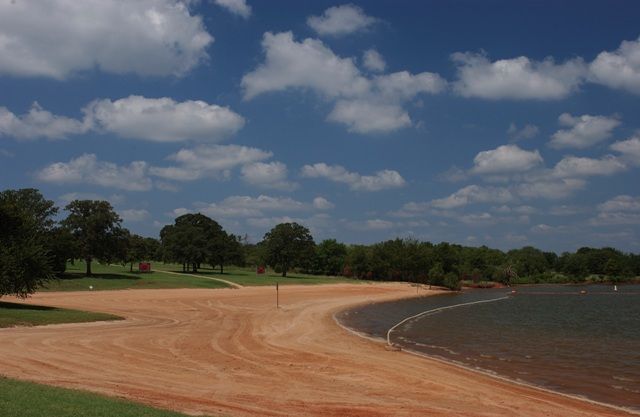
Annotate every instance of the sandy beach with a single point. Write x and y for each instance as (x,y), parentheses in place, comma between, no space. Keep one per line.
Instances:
(232,353)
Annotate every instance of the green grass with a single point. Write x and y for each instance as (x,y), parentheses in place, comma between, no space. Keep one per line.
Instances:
(110,277)
(250,278)
(15,314)
(26,399)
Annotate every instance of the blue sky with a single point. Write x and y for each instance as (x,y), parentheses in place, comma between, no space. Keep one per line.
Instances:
(499,123)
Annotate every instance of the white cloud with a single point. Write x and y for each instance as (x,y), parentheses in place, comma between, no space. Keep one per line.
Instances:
(382,180)
(365,116)
(585,131)
(572,166)
(163,119)
(308,64)
(630,149)
(373,61)
(321,203)
(145,37)
(208,160)
(38,123)
(528,131)
(365,105)
(618,69)
(473,194)
(517,78)
(506,159)
(134,215)
(268,175)
(87,169)
(247,206)
(620,210)
(341,20)
(549,189)
(239,7)
(370,225)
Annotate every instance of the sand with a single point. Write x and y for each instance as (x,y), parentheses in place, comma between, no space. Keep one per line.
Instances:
(230,352)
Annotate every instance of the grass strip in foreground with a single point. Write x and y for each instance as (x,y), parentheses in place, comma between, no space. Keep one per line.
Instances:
(26,399)
(16,314)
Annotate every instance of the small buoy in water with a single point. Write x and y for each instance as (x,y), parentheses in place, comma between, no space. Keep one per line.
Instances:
(583,292)
(90,287)
(615,288)
(513,291)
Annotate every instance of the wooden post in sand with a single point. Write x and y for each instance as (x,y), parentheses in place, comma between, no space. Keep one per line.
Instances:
(277,296)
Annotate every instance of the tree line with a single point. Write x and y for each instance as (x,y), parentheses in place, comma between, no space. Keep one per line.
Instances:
(35,247)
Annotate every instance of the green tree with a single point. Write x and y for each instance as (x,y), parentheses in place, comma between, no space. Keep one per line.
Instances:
(226,250)
(330,257)
(96,228)
(26,224)
(287,246)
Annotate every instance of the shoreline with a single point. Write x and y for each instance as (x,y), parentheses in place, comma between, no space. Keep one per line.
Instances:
(480,371)
(217,352)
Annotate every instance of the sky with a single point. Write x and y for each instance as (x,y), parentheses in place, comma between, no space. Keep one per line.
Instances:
(495,123)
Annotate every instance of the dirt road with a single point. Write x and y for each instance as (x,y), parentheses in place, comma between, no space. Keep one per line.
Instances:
(231,352)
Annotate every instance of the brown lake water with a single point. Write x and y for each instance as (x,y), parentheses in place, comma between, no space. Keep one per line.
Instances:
(551,336)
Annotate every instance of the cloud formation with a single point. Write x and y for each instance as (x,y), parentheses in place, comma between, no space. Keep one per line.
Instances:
(341,20)
(238,7)
(382,180)
(619,69)
(134,117)
(272,175)
(505,159)
(144,37)
(87,169)
(517,78)
(584,131)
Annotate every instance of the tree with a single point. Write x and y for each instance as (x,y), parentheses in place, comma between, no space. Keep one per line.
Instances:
(330,257)
(26,221)
(192,240)
(288,245)
(96,228)
(226,249)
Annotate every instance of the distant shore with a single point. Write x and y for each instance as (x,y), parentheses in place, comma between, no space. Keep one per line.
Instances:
(220,352)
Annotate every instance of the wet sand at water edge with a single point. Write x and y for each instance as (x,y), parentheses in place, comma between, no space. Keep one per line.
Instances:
(230,352)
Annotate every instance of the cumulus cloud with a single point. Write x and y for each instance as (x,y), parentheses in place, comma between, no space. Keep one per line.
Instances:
(473,194)
(255,207)
(517,78)
(584,131)
(506,159)
(364,105)
(370,225)
(145,37)
(341,20)
(87,169)
(618,69)
(572,166)
(630,149)
(528,131)
(271,175)
(163,119)
(322,203)
(365,116)
(549,188)
(134,215)
(373,61)
(208,161)
(382,180)
(620,210)
(134,117)
(308,64)
(238,7)
(38,123)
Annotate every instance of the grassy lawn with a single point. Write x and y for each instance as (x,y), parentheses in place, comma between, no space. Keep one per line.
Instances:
(15,314)
(109,277)
(249,277)
(26,399)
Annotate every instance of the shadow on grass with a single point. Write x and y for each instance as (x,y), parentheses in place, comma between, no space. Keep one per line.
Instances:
(72,276)
(18,306)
